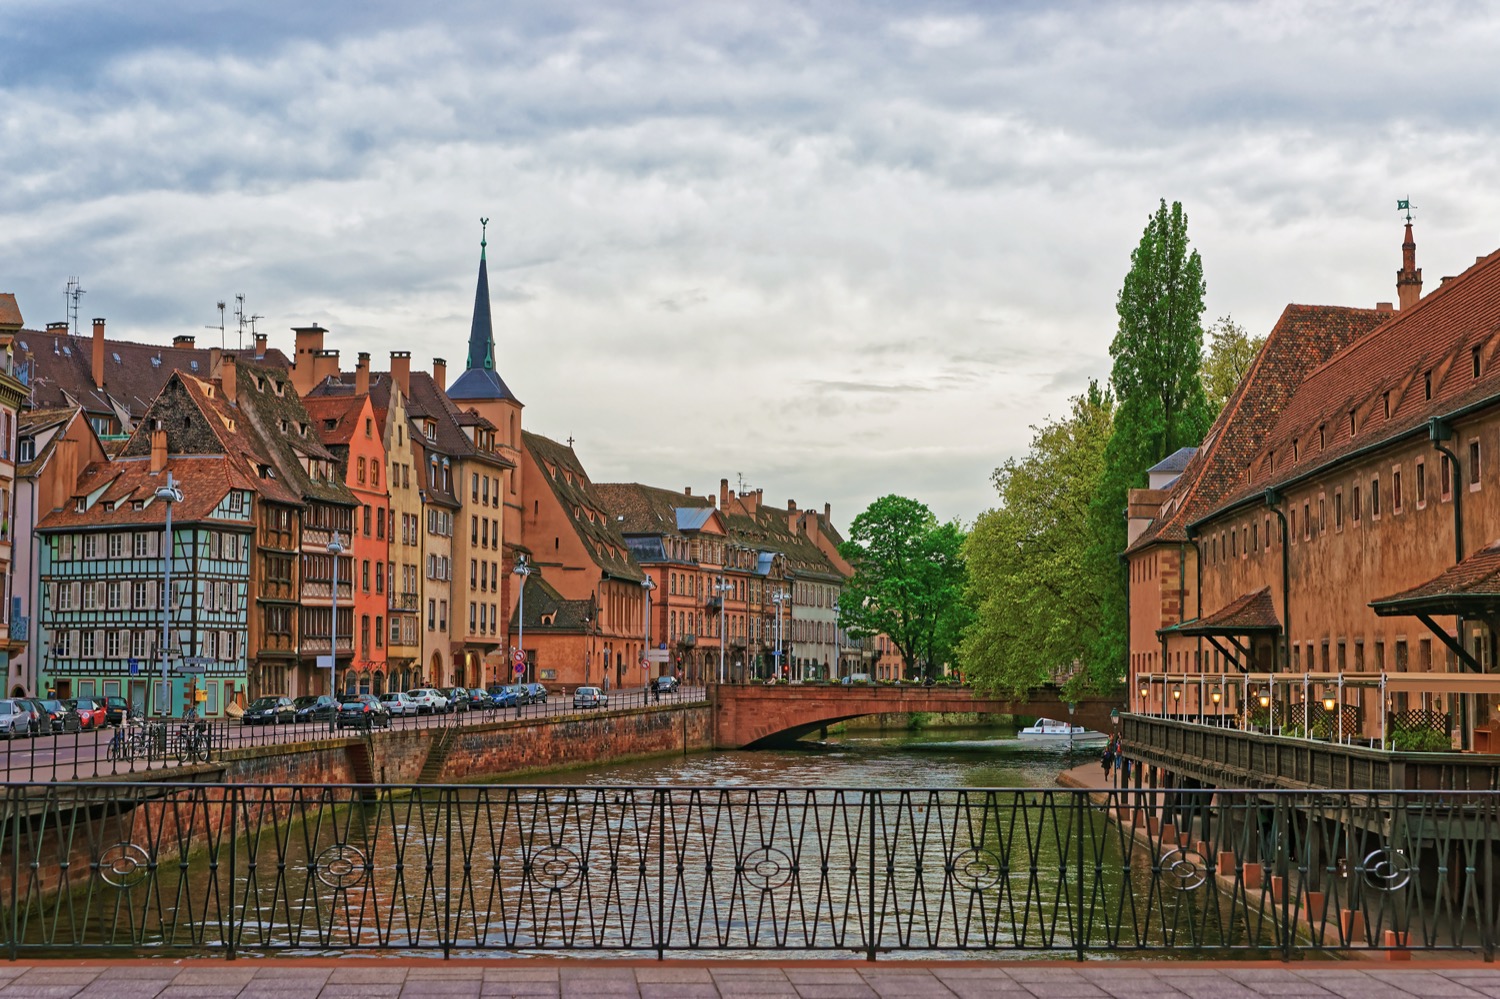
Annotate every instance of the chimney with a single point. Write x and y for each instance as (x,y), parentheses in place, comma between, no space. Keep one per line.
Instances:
(1409,277)
(309,341)
(401,370)
(362,374)
(827,513)
(183,340)
(98,353)
(724,493)
(229,382)
(260,346)
(687,490)
(791,506)
(1384,307)
(440,373)
(324,363)
(158,451)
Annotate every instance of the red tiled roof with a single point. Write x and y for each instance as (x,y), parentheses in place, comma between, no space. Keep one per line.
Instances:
(1250,612)
(1477,576)
(1391,362)
(204,480)
(342,410)
(1303,338)
(10,312)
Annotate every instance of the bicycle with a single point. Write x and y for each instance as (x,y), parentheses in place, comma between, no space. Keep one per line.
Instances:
(129,741)
(192,742)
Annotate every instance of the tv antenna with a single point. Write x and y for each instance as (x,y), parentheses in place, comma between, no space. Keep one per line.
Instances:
(75,291)
(219,327)
(245,322)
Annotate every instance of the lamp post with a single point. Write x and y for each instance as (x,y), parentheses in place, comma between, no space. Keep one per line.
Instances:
(522,570)
(335,549)
(168,493)
(838,645)
(647,584)
(778,598)
(722,587)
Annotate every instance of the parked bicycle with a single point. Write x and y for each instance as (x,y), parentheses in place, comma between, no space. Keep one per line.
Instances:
(192,742)
(129,741)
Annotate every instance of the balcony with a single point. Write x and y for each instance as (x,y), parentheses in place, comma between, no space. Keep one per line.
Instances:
(714,603)
(404,602)
(319,590)
(318,644)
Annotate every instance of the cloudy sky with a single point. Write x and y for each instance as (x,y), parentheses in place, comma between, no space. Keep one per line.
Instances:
(837,249)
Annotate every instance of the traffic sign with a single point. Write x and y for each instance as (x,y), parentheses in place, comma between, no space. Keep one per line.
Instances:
(189,668)
(325,662)
(520,668)
(658,655)
(519,658)
(199,660)
(135,667)
(645,663)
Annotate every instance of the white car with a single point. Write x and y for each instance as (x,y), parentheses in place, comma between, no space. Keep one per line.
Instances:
(399,704)
(429,701)
(590,697)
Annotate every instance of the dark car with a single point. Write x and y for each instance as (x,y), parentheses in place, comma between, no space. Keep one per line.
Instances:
(40,722)
(479,699)
(270,711)
(502,696)
(62,717)
(363,711)
(535,693)
(668,684)
(90,711)
(116,710)
(458,698)
(314,707)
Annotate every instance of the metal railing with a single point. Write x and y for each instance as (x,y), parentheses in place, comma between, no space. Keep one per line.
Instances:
(157,744)
(226,869)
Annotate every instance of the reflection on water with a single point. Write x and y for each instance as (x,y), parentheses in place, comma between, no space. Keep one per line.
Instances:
(927,759)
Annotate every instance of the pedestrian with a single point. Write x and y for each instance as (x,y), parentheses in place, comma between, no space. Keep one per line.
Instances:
(1107,761)
(655,694)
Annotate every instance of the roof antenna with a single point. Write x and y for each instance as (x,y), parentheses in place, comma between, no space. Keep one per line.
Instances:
(240,318)
(219,327)
(74,292)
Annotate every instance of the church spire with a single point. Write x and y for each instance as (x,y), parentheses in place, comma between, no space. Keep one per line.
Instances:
(1409,277)
(482,331)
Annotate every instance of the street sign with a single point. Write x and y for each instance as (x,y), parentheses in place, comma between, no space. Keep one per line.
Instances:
(325,662)
(658,655)
(135,667)
(645,663)
(199,661)
(520,668)
(189,669)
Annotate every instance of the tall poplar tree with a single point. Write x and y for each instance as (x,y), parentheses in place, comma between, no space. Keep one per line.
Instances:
(1158,386)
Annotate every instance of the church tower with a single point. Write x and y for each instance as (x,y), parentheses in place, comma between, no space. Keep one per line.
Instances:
(480,387)
(1409,277)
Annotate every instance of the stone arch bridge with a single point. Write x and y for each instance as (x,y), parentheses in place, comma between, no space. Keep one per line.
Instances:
(755,715)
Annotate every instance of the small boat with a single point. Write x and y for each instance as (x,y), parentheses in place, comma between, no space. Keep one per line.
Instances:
(1049,730)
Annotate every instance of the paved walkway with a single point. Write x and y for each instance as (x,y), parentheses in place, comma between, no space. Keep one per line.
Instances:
(461,979)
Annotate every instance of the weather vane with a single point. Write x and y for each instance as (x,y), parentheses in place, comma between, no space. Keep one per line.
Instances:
(485,224)
(1405,205)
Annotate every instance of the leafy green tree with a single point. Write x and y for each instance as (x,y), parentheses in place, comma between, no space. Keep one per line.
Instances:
(1158,385)
(908,581)
(1031,584)
(1231,350)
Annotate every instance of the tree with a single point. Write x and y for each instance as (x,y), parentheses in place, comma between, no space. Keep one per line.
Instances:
(1231,351)
(1030,580)
(908,581)
(1157,351)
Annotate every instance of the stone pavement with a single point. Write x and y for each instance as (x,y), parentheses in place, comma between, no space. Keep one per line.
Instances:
(461,979)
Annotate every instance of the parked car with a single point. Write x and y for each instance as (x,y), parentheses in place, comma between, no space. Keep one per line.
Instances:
(429,701)
(314,707)
(458,698)
(590,697)
(502,696)
(535,693)
(398,703)
(62,717)
(479,700)
(90,711)
(363,711)
(116,710)
(668,684)
(15,718)
(517,694)
(41,721)
(270,711)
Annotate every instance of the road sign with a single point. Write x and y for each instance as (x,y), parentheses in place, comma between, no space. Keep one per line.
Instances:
(520,668)
(645,663)
(199,661)
(659,655)
(519,658)
(188,668)
(325,662)
(135,667)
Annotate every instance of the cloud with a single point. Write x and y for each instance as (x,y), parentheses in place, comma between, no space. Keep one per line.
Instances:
(843,249)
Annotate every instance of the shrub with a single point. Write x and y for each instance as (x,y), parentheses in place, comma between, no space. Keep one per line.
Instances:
(1422,740)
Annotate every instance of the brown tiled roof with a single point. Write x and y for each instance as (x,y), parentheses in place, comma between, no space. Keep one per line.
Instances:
(204,481)
(133,372)
(10,312)
(428,401)
(1247,613)
(1303,338)
(342,411)
(548,611)
(267,398)
(1437,335)
(34,423)
(646,509)
(1474,580)
(598,530)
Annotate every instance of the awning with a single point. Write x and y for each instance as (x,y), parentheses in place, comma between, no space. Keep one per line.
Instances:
(1405,681)
(1471,589)
(1251,614)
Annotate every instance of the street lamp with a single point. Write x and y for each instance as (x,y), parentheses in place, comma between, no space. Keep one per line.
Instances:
(838,647)
(335,549)
(778,598)
(522,570)
(168,493)
(648,584)
(722,588)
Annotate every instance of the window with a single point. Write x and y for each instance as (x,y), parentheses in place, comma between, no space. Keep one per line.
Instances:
(1355,509)
(141,644)
(1338,509)
(1427,384)
(379,631)
(112,596)
(111,645)
(474,485)
(442,615)
(1322,515)
(1375,497)
(1396,498)
(361,470)
(142,594)
(1351,423)
(1385,399)
(431,614)
(1473,465)
(142,546)
(1445,477)
(1474,359)
(366,509)
(1306,521)
(1421,484)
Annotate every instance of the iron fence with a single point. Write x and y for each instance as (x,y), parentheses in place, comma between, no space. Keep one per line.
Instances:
(156,745)
(229,869)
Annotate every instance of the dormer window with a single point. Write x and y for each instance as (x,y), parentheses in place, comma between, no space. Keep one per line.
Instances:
(1296,447)
(1386,401)
(1322,437)
(429,429)
(1427,385)
(1474,357)
(1351,423)
(80,505)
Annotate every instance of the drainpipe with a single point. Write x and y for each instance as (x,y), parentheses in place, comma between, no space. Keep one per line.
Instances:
(1438,431)
(1273,501)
